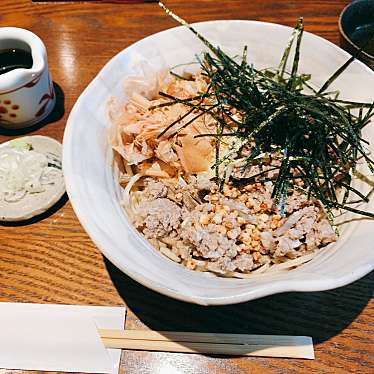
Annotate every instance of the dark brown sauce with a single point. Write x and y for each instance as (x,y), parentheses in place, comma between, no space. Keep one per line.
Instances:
(14,58)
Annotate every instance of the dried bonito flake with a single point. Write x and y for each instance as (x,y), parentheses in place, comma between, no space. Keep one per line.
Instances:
(195,154)
(140,121)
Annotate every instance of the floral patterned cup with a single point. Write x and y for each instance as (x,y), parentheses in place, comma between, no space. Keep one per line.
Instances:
(26,95)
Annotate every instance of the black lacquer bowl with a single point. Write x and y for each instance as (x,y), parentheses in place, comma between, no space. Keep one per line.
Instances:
(356,26)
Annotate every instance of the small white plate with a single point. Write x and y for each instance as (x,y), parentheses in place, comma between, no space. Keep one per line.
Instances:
(94,192)
(34,204)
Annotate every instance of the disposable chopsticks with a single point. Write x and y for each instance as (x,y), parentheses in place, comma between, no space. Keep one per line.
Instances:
(211,343)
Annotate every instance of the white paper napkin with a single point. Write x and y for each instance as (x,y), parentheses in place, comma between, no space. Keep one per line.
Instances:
(58,337)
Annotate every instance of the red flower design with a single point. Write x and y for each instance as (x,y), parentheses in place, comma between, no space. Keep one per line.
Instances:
(6,110)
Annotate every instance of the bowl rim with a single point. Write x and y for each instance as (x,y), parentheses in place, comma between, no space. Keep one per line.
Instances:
(344,34)
(287,285)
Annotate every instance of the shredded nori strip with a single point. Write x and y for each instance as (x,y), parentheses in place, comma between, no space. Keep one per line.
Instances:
(272,111)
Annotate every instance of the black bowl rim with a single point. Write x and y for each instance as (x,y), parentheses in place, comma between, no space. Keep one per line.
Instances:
(345,36)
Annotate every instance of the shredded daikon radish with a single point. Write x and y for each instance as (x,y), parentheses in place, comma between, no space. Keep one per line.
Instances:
(126,201)
(292,263)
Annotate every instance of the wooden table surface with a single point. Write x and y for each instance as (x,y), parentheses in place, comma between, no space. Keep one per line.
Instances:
(54,261)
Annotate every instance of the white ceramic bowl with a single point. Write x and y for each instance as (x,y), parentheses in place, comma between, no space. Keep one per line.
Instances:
(94,192)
